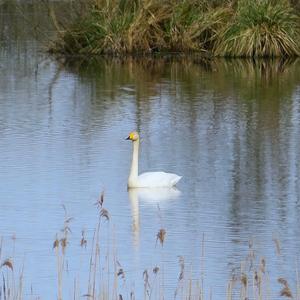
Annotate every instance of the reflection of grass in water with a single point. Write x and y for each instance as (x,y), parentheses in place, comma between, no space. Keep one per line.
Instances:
(264,79)
(250,281)
(256,80)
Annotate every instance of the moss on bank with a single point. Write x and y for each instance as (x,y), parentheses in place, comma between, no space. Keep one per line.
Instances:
(244,28)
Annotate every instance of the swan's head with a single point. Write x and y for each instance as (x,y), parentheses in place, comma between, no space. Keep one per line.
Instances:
(133,136)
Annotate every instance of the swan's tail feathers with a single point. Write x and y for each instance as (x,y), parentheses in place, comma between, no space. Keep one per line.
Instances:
(176,179)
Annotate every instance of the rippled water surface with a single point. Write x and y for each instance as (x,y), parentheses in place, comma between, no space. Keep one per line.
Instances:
(230,128)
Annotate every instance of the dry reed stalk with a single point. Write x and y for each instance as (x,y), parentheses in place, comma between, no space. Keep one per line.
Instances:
(115,280)
(96,288)
(75,290)
(96,259)
(229,291)
(277,245)
(93,261)
(202,267)
(91,265)
(59,270)
(59,245)
(297,282)
(20,285)
(146,284)
(1,245)
(244,281)
(180,277)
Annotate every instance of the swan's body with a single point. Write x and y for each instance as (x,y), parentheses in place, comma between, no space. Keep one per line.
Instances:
(149,179)
(154,180)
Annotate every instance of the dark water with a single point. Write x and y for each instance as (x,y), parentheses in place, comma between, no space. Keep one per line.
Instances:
(230,128)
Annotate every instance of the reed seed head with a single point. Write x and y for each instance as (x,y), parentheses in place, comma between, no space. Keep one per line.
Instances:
(83,241)
(100,201)
(244,280)
(161,236)
(285,291)
(104,214)
(56,243)
(121,273)
(8,263)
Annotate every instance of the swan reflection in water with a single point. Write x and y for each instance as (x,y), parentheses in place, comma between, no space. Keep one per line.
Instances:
(150,196)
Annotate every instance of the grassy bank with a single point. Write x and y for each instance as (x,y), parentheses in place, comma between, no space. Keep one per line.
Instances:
(243,28)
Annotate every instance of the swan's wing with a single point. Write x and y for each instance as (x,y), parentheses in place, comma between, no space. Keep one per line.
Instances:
(158,179)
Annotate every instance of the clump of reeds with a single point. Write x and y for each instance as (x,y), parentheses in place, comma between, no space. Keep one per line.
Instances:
(223,28)
(251,280)
(141,26)
(100,29)
(194,26)
(261,28)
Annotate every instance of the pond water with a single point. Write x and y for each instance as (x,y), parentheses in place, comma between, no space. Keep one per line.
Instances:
(231,128)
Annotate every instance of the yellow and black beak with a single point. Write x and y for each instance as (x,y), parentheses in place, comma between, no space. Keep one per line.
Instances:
(128,138)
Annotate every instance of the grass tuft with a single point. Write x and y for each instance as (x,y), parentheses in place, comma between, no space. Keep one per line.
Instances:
(261,28)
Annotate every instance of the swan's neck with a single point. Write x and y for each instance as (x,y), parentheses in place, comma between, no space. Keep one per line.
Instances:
(134,170)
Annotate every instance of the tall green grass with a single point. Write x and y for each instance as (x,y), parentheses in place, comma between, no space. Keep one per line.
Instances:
(261,28)
(247,28)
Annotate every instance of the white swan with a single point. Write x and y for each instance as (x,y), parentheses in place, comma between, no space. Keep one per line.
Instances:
(149,179)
